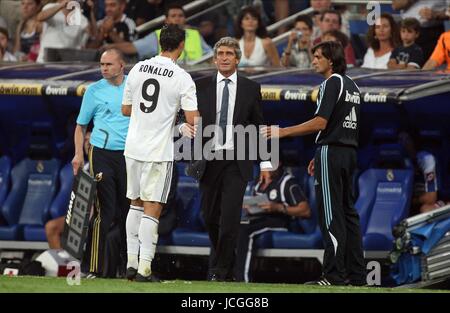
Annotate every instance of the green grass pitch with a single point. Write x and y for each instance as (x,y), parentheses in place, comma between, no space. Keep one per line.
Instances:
(54,284)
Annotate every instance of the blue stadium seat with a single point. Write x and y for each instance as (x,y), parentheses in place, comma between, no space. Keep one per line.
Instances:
(381,137)
(190,229)
(182,168)
(33,187)
(311,237)
(365,200)
(281,47)
(389,155)
(187,189)
(387,8)
(385,198)
(5,171)
(358,26)
(384,134)
(58,207)
(60,204)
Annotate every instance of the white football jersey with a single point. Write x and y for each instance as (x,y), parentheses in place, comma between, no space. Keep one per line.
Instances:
(156,89)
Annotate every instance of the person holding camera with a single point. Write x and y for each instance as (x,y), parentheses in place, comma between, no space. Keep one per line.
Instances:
(298,50)
(62,27)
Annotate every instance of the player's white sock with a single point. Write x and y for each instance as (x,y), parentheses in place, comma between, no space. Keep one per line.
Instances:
(132,226)
(148,237)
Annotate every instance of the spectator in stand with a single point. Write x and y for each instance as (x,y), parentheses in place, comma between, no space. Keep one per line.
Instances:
(284,8)
(281,10)
(338,36)
(115,27)
(194,47)
(440,54)
(256,46)
(5,55)
(142,11)
(209,28)
(26,46)
(235,7)
(383,38)
(431,14)
(298,50)
(409,55)
(332,20)
(60,29)
(425,193)
(319,6)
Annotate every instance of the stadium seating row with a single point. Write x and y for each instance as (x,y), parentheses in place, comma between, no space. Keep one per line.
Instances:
(32,200)
(384,200)
(40,191)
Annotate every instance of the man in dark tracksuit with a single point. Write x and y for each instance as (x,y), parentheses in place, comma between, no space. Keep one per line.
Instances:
(286,201)
(336,119)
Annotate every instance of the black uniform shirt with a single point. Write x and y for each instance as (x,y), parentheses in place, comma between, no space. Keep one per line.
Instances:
(411,55)
(339,103)
(284,190)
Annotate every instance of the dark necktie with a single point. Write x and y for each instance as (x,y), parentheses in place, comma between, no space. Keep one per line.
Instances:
(224,110)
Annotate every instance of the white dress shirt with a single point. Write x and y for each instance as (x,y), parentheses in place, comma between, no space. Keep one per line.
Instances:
(232,86)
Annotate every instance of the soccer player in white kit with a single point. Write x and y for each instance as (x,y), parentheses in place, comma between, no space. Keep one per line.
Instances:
(155,90)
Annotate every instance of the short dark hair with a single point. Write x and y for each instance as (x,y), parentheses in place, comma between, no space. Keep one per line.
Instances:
(340,36)
(331,12)
(261,31)
(334,52)
(305,19)
(411,23)
(174,6)
(171,37)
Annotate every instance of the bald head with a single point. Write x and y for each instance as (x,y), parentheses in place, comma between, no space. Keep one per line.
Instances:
(112,65)
(116,52)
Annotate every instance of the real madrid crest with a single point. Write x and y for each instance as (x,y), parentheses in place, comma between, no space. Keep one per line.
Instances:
(390,175)
(273,194)
(40,166)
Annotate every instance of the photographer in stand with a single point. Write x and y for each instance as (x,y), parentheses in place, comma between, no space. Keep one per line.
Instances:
(298,51)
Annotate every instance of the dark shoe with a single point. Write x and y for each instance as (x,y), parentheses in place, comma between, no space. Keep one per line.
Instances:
(91,276)
(324,282)
(88,275)
(147,279)
(215,277)
(131,273)
(357,283)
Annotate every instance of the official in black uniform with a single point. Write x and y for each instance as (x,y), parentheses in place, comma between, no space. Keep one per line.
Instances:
(286,201)
(337,121)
